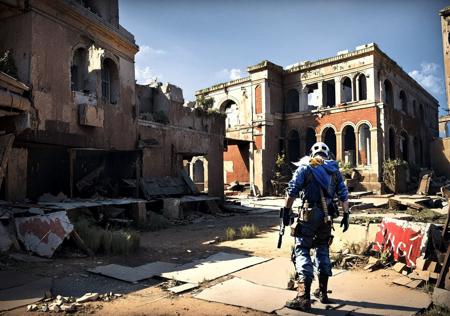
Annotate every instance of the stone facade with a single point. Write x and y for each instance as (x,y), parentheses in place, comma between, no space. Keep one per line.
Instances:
(361,103)
(85,105)
(441,146)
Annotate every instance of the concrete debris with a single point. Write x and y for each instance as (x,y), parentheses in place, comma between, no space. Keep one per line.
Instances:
(70,304)
(163,186)
(88,297)
(43,234)
(424,185)
(399,267)
(50,198)
(28,258)
(5,239)
(405,240)
(235,186)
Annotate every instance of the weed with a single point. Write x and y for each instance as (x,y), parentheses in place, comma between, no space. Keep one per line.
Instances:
(230,233)
(437,310)
(156,221)
(248,231)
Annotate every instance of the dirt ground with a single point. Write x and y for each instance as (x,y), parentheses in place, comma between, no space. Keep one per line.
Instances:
(177,244)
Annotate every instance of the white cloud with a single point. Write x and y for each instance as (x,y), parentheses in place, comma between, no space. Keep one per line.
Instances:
(146,76)
(229,74)
(429,77)
(144,58)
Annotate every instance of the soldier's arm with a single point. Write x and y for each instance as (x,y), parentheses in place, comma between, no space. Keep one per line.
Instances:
(294,186)
(342,192)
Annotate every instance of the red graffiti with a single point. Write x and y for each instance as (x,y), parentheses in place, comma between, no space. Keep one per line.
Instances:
(403,241)
(41,227)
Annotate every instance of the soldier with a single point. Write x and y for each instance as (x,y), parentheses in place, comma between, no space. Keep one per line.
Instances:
(319,179)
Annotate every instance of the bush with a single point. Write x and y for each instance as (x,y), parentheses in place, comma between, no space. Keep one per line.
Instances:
(248,231)
(230,233)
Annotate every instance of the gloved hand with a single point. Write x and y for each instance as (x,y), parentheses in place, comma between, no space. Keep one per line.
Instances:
(345,222)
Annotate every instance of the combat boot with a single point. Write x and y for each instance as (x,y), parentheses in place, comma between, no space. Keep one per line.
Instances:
(322,292)
(303,300)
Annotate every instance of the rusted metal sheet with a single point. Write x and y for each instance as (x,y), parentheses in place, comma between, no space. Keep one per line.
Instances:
(43,234)
(405,240)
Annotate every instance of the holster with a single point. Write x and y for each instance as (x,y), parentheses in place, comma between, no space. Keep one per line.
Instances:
(295,228)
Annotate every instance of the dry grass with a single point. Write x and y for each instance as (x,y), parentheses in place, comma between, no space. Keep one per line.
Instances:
(249,231)
(230,233)
(156,221)
(105,241)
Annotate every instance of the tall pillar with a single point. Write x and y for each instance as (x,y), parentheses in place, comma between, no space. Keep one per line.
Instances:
(339,155)
(337,90)
(357,140)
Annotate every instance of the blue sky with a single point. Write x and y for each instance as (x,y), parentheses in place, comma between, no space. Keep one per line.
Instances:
(198,43)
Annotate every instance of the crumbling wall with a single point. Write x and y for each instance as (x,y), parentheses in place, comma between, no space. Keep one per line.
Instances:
(15,34)
(57,108)
(440,151)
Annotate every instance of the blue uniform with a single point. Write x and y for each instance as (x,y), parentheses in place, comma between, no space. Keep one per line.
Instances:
(315,233)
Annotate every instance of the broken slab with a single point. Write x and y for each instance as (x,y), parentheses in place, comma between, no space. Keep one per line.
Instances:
(211,268)
(133,274)
(406,240)
(247,294)
(441,297)
(45,233)
(25,294)
(281,270)
(182,288)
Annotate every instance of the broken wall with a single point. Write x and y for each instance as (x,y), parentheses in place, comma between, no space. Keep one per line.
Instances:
(440,151)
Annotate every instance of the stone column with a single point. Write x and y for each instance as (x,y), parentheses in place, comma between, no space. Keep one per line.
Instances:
(205,174)
(339,154)
(337,89)
(320,92)
(374,153)
(357,140)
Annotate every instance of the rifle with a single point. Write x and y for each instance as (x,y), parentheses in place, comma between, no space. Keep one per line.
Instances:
(285,220)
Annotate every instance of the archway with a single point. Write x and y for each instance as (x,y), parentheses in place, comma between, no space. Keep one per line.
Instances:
(292,101)
(362,87)
(346,90)
(310,139)
(349,145)
(329,138)
(364,145)
(404,101)
(293,149)
(388,93)
(391,143)
(404,146)
(231,110)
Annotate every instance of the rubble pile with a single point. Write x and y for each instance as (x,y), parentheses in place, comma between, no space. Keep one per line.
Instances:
(70,304)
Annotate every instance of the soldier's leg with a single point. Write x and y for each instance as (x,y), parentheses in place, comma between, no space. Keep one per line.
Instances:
(323,262)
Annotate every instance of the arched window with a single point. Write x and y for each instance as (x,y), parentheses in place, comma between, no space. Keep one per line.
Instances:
(404,101)
(293,146)
(364,145)
(391,143)
(329,138)
(310,139)
(362,87)
(404,148)
(329,93)
(346,90)
(79,70)
(231,110)
(292,101)
(388,93)
(110,81)
(349,144)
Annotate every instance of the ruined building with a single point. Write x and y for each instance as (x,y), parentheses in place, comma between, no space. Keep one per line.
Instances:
(72,105)
(442,146)
(361,103)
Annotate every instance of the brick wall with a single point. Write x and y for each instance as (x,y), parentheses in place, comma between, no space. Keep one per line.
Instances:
(238,155)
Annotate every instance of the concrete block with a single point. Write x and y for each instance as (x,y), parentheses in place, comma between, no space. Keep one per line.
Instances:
(441,297)
(172,208)
(139,213)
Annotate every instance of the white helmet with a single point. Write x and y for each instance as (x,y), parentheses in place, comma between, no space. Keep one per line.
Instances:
(318,148)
